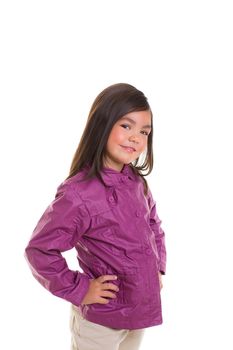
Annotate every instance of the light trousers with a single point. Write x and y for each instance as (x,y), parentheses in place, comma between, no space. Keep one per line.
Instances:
(86,335)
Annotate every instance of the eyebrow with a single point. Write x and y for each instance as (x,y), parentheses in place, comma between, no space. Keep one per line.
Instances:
(133,122)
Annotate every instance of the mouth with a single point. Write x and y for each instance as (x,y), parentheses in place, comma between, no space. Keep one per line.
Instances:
(128,149)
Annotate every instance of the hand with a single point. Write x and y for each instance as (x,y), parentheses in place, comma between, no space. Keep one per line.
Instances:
(99,290)
(160,280)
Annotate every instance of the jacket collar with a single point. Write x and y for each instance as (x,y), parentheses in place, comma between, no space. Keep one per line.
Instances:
(112,177)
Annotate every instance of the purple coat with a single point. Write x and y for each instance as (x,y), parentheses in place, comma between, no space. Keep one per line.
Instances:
(115,230)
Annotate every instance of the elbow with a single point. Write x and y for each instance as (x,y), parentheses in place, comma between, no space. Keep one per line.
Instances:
(28,253)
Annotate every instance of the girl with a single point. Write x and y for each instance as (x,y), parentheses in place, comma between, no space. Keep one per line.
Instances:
(105,209)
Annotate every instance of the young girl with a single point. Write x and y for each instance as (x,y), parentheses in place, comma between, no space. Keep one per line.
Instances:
(105,210)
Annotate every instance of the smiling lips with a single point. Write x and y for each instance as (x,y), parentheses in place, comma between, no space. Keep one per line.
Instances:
(129,149)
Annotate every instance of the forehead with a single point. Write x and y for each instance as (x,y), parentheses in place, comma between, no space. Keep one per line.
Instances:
(141,118)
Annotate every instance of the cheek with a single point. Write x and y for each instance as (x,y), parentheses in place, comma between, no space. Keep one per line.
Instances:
(115,136)
(112,141)
(144,145)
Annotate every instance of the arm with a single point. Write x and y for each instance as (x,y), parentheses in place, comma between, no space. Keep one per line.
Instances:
(58,230)
(155,224)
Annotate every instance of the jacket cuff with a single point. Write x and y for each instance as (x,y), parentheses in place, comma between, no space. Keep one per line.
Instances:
(79,293)
(162,268)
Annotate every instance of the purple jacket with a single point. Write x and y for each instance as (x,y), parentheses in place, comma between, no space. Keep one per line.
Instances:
(115,230)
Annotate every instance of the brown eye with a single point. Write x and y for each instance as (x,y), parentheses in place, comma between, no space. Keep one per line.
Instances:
(145,133)
(124,126)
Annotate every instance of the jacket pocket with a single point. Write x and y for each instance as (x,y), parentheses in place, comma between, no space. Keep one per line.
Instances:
(130,286)
(129,282)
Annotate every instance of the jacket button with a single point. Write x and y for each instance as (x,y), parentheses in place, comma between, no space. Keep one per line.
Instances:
(148,251)
(138,213)
(111,199)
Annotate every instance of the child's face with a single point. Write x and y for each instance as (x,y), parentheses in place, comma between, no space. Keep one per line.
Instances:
(128,139)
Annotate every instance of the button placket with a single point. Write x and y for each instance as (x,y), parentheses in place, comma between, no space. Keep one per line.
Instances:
(111,199)
(138,213)
(112,196)
(145,245)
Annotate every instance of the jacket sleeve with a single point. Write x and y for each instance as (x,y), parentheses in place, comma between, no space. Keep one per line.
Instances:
(155,224)
(58,230)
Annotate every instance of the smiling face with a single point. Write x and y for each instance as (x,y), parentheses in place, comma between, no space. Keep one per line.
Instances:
(128,139)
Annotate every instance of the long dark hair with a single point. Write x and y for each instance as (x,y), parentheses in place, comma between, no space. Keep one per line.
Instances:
(109,106)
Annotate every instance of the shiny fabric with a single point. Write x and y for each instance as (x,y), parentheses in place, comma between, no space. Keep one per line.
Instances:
(115,230)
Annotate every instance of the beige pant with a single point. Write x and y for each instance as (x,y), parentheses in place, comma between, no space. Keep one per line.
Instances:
(87,335)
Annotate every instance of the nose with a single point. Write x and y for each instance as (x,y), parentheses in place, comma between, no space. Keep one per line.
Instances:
(134,138)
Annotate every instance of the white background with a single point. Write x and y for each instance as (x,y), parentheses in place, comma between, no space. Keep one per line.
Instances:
(56,56)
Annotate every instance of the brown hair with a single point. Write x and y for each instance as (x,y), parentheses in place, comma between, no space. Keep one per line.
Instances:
(109,106)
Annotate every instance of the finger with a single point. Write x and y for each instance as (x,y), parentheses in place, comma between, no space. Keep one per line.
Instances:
(103,301)
(104,278)
(111,286)
(108,294)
